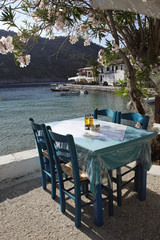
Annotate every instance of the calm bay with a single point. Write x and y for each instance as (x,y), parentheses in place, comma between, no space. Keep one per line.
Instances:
(17,105)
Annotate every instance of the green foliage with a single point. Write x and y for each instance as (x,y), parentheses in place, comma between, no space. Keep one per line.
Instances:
(123,91)
(142,89)
(125,18)
(8,17)
(141,77)
(95,65)
(110,55)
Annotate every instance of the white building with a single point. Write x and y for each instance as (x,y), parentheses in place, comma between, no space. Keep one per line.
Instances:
(113,72)
(83,75)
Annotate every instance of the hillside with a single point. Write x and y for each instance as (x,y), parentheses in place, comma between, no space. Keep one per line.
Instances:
(46,65)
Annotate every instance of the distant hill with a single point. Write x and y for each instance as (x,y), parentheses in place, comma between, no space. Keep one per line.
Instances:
(45,65)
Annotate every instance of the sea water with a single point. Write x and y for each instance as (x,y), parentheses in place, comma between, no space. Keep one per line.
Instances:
(19,104)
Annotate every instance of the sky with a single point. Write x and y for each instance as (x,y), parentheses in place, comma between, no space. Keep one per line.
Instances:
(19,21)
(102,43)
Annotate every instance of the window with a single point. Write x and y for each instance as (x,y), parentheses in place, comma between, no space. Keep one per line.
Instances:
(121,67)
(116,67)
(107,69)
(112,68)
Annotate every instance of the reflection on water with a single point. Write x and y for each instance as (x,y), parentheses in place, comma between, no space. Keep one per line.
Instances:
(20,104)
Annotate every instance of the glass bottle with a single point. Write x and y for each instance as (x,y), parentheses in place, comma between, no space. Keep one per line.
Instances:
(91,120)
(87,121)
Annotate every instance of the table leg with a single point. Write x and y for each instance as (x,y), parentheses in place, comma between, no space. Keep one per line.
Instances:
(141,182)
(97,200)
(110,193)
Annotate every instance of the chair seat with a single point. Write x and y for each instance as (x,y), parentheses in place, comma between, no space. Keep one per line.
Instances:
(45,154)
(67,168)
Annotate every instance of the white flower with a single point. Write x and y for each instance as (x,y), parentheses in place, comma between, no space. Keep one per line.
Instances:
(52,36)
(20,59)
(35,17)
(28,59)
(87,42)
(49,12)
(60,24)
(73,39)
(84,28)
(94,21)
(101,54)
(115,47)
(6,45)
(42,5)
(19,34)
(2,49)
(24,60)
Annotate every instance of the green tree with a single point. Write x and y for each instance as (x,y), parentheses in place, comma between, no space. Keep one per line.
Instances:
(95,65)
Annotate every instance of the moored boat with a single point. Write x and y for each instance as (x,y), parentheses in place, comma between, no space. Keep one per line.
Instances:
(150,100)
(73,93)
(83,91)
(58,88)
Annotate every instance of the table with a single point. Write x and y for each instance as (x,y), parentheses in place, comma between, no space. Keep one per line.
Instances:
(110,147)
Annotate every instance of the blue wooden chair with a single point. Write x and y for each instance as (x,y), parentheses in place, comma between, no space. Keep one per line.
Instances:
(63,147)
(114,115)
(130,117)
(47,164)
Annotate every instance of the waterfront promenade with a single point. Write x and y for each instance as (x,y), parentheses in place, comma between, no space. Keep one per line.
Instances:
(28,212)
(92,87)
(109,88)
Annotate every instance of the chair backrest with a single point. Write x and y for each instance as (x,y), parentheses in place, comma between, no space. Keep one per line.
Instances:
(42,140)
(108,113)
(135,117)
(63,147)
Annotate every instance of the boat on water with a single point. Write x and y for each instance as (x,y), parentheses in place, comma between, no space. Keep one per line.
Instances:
(150,100)
(73,93)
(83,91)
(59,87)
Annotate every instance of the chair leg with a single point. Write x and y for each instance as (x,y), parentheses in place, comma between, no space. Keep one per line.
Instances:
(84,188)
(110,193)
(53,183)
(43,180)
(119,187)
(77,205)
(61,188)
(43,174)
(62,200)
(77,212)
